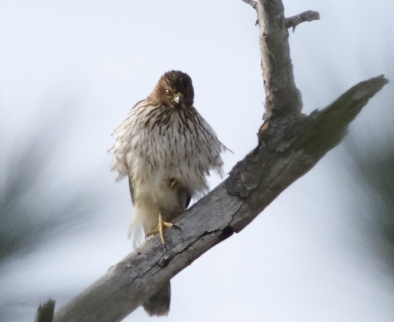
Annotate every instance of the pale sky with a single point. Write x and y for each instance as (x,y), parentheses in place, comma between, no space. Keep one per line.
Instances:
(303,258)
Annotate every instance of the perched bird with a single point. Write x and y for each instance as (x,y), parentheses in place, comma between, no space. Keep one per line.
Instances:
(166,149)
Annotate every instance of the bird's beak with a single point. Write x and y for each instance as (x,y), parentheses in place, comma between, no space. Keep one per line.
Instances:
(177,97)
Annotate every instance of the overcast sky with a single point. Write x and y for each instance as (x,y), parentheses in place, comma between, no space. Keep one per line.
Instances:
(302,259)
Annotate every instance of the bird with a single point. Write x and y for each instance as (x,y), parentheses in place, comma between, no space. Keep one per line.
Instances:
(166,149)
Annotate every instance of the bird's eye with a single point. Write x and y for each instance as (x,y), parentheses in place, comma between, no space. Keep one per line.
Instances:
(167,91)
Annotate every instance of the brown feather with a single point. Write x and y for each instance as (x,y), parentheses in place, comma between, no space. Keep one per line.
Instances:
(166,149)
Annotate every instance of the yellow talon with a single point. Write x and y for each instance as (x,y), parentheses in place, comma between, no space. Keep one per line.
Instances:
(160,229)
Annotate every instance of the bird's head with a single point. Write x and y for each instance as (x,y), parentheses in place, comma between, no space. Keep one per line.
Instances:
(175,90)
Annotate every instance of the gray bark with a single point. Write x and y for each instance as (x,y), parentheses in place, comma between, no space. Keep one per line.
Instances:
(293,22)
(282,97)
(290,144)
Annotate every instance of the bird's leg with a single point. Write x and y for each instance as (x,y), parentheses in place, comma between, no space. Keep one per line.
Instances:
(160,229)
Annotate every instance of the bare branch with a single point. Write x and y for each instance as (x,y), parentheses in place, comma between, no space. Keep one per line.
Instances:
(293,22)
(251,3)
(290,144)
(286,150)
(45,312)
(282,96)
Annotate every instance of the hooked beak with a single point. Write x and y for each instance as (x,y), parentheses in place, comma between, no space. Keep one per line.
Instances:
(177,98)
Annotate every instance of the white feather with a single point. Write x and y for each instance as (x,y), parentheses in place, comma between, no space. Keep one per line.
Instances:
(150,156)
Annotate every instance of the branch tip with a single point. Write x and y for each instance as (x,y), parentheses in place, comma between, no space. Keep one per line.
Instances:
(309,16)
(252,3)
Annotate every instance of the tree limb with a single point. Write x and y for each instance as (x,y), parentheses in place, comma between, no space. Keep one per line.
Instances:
(293,22)
(282,96)
(290,144)
(285,152)
(288,149)
(251,3)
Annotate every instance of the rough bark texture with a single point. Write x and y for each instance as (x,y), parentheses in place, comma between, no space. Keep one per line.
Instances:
(290,144)
(285,152)
(293,22)
(282,97)
(289,148)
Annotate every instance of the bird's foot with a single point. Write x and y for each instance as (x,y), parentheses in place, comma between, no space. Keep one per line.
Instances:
(160,229)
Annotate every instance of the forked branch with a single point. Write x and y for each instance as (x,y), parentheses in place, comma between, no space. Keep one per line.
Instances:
(252,3)
(282,97)
(286,151)
(290,144)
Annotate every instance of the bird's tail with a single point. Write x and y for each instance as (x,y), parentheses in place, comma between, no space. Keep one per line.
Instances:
(144,219)
(159,303)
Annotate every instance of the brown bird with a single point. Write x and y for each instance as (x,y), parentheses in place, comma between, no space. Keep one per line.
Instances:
(166,149)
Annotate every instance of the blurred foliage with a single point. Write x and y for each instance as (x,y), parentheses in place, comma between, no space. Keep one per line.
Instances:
(372,161)
(375,168)
(42,196)
(37,199)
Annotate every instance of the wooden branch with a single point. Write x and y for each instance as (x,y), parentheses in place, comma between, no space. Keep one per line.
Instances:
(251,3)
(290,144)
(45,312)
(283,99)
(286,150)
(293,22)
